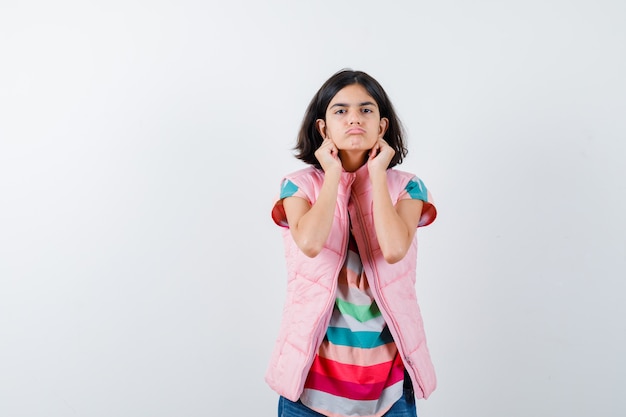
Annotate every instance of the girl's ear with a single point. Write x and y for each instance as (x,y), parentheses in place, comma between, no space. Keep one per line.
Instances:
(382,126)
(320,124)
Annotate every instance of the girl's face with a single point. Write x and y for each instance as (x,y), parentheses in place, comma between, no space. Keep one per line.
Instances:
(353,121)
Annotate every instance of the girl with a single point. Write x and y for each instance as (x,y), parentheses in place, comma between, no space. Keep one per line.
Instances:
(351,342)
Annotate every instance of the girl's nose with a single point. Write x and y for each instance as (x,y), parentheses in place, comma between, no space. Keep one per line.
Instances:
(355,118)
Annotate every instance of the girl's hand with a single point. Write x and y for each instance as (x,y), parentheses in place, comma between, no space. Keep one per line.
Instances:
(380,157)
(328,156)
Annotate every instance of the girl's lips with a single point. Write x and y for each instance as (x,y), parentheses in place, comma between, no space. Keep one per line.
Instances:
(355,130)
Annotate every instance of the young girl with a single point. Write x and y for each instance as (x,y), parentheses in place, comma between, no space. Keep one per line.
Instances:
(351,342)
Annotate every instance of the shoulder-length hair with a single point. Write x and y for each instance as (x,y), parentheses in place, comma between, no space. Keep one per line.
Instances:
(310,139)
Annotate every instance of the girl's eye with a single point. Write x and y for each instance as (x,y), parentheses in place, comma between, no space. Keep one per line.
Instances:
(367,110)
(340,111)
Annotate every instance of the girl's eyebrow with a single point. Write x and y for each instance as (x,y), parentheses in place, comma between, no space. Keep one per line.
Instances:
(365,103)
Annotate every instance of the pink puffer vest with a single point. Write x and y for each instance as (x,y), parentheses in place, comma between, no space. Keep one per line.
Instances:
(311,284)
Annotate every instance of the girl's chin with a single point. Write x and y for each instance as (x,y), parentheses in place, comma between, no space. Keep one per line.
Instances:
(356,145)
(355,150)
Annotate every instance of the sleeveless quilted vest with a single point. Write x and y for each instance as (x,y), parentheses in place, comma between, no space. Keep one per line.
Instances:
(311,283)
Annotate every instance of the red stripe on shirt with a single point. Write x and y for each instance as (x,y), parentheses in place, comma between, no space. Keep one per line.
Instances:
(371,382)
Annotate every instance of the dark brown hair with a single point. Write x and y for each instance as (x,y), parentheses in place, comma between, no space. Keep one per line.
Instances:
(309,138)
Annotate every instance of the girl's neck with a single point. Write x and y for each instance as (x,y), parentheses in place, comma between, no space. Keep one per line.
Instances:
(352,162)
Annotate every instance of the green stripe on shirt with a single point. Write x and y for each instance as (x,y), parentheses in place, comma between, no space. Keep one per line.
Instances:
(361,313)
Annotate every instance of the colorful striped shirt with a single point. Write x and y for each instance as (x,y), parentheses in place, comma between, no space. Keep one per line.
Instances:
(357,370)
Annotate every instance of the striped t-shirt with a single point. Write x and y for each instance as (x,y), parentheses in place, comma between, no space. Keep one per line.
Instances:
(357,370)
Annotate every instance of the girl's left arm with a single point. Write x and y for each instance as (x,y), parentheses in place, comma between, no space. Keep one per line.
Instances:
(395,225)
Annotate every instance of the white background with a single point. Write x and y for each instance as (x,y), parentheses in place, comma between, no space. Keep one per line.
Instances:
(142,144)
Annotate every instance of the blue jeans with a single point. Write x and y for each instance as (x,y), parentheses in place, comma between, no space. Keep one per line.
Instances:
(404,407)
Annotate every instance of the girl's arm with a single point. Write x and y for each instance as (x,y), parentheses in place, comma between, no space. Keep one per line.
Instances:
(310,225)
(395,226)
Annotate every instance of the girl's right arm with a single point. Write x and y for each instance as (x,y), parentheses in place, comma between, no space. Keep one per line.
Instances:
(310,225)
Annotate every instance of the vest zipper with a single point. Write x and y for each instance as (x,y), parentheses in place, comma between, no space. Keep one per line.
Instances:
(381,301)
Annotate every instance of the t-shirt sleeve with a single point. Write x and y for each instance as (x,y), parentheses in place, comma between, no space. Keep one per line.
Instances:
(287,189)
(415,189)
